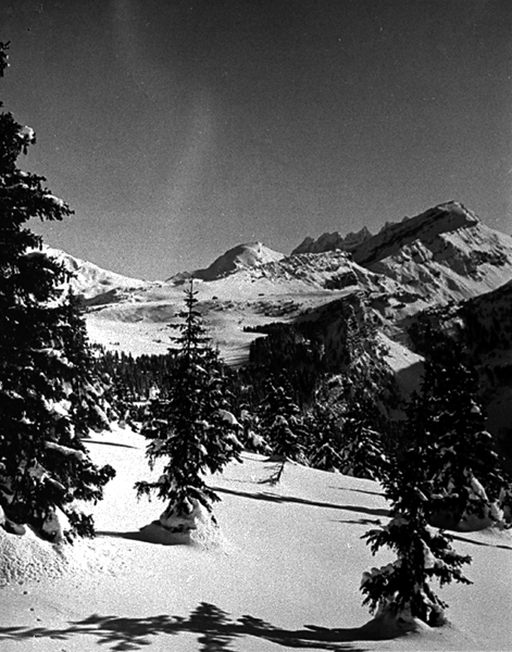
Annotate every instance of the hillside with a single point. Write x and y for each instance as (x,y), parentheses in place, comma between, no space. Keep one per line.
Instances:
(283,573)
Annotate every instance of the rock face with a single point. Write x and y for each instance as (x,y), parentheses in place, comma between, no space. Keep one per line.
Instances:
(444,254)
(425,227)
(333,241)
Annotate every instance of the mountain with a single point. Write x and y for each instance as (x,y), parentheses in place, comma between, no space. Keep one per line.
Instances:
(443,255)
(92,282)
(242,256)
(333,241)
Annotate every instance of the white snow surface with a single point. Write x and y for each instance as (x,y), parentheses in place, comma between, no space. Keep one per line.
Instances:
(282,572)
(243,256)
(92,281)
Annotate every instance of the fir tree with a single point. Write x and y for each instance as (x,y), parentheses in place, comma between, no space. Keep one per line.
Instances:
(402,588)
(326,458)
(44,467)
(448,424)
(323,423)
(192,427)
(362,448)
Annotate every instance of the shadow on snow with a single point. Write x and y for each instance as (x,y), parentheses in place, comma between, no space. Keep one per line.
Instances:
(214,628)
(276,498)
(107,443)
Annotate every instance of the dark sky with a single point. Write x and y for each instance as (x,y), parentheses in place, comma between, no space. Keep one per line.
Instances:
(179,129)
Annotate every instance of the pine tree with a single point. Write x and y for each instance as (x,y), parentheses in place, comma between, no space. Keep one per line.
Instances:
(326,458)
(44,467)
(192,427)
(323,423)
(362,448)
(401,590)
(448,423)
(283,425)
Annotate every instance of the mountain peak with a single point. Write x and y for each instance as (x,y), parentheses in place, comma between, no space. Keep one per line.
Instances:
(443,218)
(242,256)
(364,246)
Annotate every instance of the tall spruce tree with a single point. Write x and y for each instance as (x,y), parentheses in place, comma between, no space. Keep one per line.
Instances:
(192,427)
(44,467)
(448,423)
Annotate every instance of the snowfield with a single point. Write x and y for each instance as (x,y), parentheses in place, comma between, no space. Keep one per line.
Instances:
(283,571)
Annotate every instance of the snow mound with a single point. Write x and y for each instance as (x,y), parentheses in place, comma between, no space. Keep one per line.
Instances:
(28,558)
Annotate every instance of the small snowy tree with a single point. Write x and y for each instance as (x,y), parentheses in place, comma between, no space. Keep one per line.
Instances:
(192,427)
(401,590)
(44,467)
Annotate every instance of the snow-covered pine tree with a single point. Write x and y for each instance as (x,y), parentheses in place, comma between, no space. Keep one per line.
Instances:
(326,458)
(283,425)
(447,419)
(192,427)
(401,590)
(363,415)
(323,423)
(44,467)
(362,450)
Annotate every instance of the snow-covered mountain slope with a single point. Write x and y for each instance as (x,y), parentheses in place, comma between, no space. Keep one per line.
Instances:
(443,255)
(448,254)
(283,573)
(242,256)
(93,282)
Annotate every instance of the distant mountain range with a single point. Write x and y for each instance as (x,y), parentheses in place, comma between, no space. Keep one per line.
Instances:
(444,257)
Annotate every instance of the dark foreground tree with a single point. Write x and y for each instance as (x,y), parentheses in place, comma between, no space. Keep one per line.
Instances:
(191,426)
(44,379)
(458,454)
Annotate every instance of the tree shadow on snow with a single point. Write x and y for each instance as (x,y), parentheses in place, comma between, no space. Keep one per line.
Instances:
(359,491)
(276,498)
(107,443)
(151,533)
(360,521)
(214,628)
(458,537)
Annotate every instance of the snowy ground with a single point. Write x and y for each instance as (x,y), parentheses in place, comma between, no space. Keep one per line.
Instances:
(284,573)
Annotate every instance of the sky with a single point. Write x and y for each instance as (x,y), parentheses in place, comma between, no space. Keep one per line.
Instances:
(178,129)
